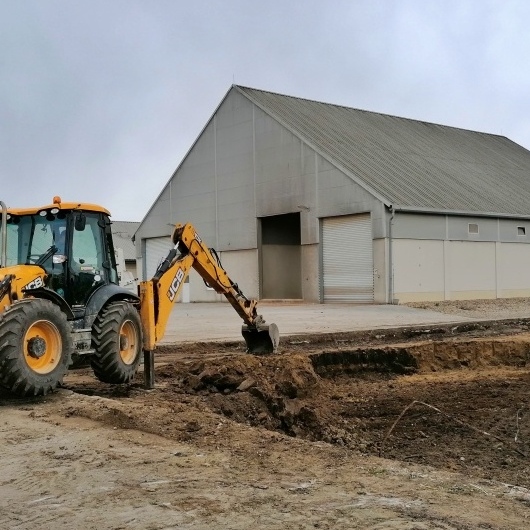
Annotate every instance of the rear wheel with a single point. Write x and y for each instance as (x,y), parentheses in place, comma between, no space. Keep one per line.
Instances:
(117,339)
(35,347)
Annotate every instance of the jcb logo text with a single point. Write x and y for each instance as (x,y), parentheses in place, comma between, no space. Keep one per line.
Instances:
(35,284)
(175,285)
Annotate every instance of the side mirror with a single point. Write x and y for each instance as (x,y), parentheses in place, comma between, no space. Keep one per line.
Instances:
(80,222)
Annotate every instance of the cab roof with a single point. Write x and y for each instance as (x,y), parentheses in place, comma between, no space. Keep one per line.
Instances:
(57,203)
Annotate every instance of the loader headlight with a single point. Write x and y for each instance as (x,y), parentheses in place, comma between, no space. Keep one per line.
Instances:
(48,214)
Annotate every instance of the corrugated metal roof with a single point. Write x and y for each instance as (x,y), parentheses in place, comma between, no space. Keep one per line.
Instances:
(122,232)
(408,163)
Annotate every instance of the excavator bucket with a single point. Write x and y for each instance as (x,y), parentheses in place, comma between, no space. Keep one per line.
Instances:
(261,339)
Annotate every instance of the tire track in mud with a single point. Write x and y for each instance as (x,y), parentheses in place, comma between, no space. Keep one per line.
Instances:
(117,478)
(33,497)
(60,478)
(40,467)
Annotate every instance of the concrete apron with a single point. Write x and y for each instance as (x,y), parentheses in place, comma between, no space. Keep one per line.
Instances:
(205,322)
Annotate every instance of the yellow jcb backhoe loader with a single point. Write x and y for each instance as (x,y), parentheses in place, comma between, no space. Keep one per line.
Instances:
(60,296)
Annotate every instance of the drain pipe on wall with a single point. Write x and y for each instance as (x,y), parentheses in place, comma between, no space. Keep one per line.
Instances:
(3,257)
(390,258)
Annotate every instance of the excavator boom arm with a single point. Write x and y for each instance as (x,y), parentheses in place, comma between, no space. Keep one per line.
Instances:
(208,265)
(160,293)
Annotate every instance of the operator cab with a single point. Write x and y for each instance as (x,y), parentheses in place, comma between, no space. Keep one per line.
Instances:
(74,247)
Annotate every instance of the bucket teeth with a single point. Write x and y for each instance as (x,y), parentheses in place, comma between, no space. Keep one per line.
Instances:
(261,339)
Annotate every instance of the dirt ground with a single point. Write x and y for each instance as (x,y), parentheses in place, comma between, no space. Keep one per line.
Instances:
(409,428)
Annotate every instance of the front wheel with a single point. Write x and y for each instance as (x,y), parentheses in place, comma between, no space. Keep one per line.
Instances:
(35,347)
(117,339)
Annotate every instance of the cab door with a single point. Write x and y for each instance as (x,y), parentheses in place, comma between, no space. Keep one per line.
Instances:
(88,264)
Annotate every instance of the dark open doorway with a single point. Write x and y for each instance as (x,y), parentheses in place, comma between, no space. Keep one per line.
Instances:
(281,257)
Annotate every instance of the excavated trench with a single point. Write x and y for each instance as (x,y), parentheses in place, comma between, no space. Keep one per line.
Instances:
(456,399)
(460,404)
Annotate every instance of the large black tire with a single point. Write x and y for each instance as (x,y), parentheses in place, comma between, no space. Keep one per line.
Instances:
(117,339)
(35,347)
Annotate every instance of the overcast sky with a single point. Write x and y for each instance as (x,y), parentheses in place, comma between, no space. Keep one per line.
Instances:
(101,99)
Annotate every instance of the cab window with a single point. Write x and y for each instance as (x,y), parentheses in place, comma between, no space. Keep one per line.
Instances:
(88,249)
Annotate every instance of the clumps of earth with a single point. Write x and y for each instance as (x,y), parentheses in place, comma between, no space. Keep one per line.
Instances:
(454,398)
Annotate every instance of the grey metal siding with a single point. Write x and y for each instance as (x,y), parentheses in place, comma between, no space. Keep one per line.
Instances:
(264,154)
(234,174)
(458,228)
(408,162)
(508,230)
(193,188)
(279,179)
(414,226)
(338,195)
(156,222)
(246,165)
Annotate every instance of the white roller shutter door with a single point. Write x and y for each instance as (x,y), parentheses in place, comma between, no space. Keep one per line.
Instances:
(156,249)
(348,259)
